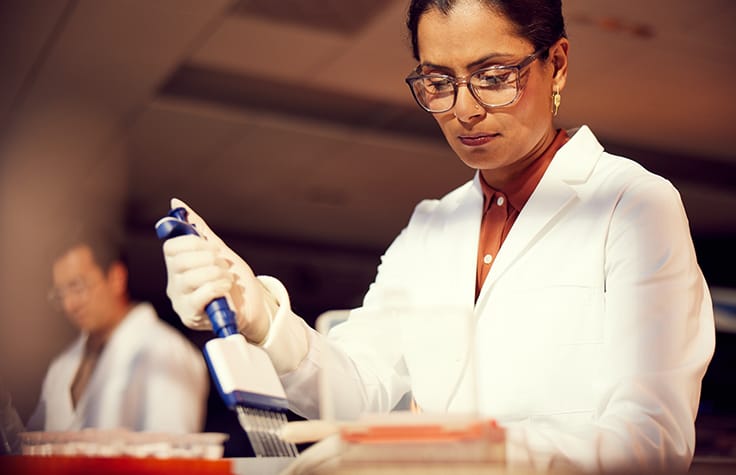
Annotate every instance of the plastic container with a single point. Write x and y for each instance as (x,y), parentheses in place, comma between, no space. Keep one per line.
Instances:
(123,443)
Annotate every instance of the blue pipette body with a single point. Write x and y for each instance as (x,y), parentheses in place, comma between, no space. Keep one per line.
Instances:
(218,310)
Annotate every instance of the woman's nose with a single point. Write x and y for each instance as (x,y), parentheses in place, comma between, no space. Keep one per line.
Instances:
(467,107)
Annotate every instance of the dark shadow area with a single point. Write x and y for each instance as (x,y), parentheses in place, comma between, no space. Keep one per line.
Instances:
(716,422)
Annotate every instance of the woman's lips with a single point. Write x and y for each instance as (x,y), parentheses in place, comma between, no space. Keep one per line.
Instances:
(477,139)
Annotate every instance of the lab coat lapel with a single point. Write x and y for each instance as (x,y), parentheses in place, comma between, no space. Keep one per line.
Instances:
(62,413)
(451,295)
(107,386)
(462,232)
(559,186)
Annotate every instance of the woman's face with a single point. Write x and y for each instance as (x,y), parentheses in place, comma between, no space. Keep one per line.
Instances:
(500,141)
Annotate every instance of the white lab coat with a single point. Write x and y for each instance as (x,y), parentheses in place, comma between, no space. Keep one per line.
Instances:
(592,330)
(148,377)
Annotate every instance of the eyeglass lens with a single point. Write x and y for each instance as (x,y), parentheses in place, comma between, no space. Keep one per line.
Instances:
(492,87)
(77,289)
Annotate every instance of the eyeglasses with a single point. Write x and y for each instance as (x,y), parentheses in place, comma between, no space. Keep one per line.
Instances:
(78,288)
(495,86)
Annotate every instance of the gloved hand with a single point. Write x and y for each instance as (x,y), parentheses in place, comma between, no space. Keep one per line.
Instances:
(202,268)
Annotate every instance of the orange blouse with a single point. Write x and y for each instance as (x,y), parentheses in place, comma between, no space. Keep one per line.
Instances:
(502,207)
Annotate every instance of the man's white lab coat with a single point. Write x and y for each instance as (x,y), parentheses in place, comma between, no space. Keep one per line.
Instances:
(149,377)
(592,331)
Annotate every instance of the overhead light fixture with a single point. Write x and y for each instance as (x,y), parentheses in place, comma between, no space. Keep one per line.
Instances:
(615,25)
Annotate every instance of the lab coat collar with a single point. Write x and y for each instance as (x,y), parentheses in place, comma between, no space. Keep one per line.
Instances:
(123,344)
(570,168)
(140,319)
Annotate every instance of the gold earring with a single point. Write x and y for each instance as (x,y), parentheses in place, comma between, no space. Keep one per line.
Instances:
(556,99)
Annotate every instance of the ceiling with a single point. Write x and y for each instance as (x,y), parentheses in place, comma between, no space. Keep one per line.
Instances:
(291,119)
(300,146)
(288,126)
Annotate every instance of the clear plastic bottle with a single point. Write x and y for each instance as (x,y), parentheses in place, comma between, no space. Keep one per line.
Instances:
(11,424)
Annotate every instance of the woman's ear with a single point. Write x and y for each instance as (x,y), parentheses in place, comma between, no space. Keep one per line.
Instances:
(558,56)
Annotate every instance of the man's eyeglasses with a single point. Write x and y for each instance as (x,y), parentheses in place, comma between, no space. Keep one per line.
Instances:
(495,86)
(79,288)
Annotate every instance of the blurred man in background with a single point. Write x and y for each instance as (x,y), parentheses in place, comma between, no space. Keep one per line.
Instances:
(127,369)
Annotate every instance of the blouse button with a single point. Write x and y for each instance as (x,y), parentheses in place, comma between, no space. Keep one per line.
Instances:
(500,201)
(487,258)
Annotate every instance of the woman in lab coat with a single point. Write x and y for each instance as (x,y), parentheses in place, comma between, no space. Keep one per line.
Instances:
(590,320)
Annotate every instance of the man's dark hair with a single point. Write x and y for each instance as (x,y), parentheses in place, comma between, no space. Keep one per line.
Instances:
(105,242)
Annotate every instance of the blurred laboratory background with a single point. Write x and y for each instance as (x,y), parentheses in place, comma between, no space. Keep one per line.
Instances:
(288,126)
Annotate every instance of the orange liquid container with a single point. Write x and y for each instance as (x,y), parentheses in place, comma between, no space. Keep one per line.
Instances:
(73,465)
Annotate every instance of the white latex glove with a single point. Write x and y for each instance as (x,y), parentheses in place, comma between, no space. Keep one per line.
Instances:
(322,457)
(202,268)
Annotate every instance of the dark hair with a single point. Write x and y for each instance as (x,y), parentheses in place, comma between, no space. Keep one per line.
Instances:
(539,21)
(105,242)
